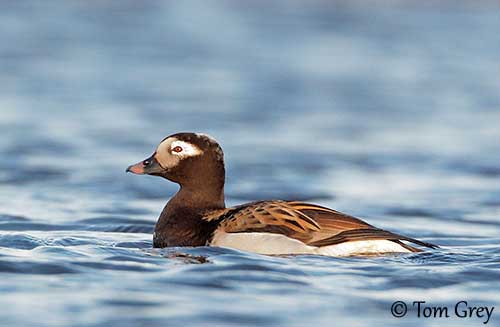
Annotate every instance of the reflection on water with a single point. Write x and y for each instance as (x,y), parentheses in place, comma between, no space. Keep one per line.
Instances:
(390,113)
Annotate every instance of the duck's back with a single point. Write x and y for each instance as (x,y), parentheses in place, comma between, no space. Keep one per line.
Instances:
(281,227)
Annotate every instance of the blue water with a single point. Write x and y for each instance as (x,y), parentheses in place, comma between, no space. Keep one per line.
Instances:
(390,112)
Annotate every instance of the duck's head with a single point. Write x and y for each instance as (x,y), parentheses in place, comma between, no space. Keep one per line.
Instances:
(189,159)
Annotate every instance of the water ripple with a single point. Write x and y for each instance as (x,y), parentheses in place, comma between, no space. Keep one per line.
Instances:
(388,112)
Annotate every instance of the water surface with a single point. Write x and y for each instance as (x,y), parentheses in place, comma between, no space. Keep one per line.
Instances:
(390,113)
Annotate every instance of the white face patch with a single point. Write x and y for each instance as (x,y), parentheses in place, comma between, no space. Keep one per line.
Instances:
(172,150)
(186,149)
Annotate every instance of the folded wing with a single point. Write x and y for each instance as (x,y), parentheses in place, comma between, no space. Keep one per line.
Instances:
(312,224)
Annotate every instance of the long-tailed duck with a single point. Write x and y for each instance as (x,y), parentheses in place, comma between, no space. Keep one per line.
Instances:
(197,214)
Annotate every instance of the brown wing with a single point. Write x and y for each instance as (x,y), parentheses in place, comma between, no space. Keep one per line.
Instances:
(270,217)
(309,223)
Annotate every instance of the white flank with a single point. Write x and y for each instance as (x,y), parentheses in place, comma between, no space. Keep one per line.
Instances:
(361,247)
(263,243)
(269,243)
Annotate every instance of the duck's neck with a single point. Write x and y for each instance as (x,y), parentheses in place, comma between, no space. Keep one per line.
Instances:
(199,198)
(181,223)
(204,191)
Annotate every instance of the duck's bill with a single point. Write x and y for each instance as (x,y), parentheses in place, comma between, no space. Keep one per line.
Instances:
(149,166)
(137,169)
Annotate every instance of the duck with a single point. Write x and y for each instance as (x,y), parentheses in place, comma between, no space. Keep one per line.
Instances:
(197,215)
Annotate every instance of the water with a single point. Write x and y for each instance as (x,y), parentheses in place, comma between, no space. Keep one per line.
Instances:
(390,113)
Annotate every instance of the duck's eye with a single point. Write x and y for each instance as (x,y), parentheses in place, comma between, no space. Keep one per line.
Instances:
(177,149)
(146,162)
